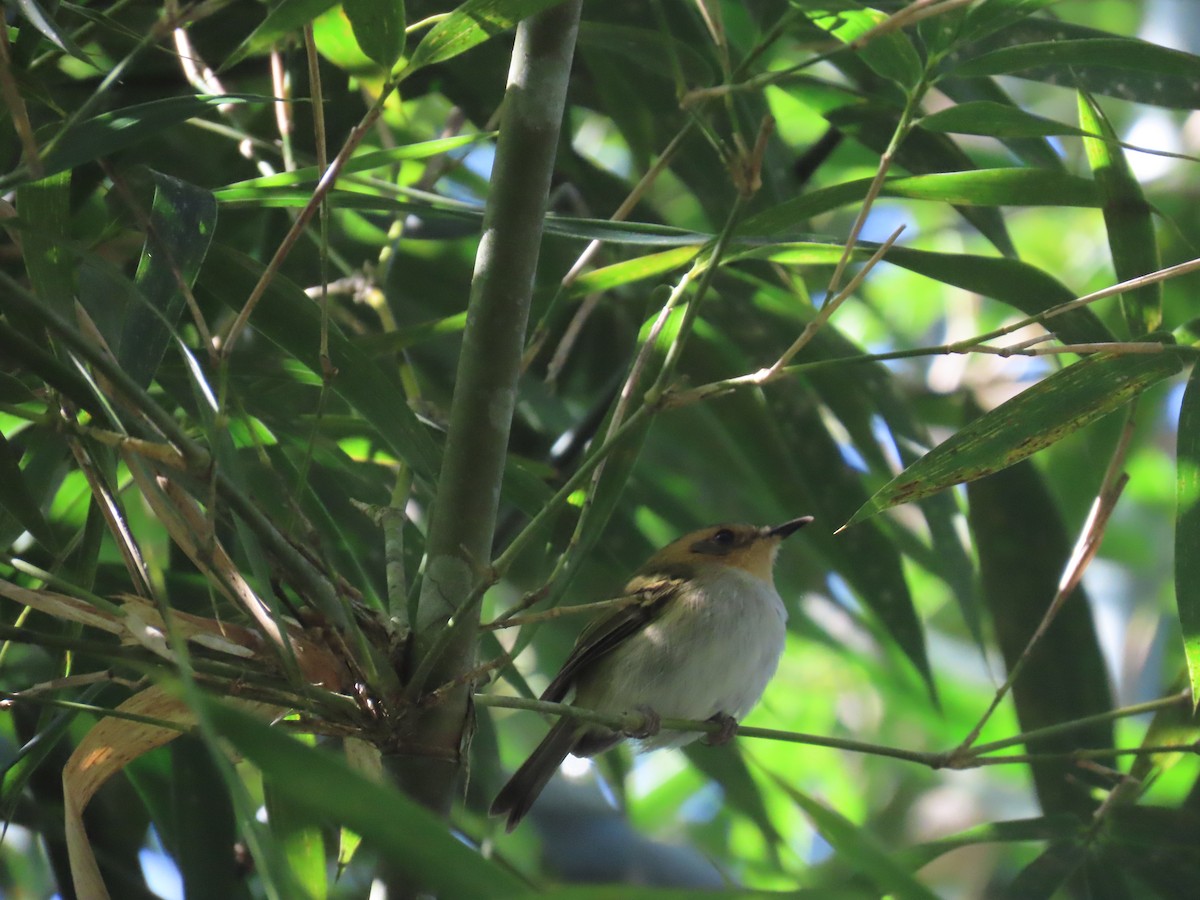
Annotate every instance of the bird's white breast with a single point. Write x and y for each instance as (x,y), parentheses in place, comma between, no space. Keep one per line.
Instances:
(712,651)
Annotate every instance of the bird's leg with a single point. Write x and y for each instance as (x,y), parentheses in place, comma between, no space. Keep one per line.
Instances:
(728,729)
(651,723)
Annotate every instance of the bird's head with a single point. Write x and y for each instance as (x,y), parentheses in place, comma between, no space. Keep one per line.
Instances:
(748,547)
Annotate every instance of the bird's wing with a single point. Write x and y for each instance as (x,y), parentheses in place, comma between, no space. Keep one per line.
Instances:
(607,632)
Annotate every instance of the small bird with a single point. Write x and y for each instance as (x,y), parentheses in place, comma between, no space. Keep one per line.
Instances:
(700,641)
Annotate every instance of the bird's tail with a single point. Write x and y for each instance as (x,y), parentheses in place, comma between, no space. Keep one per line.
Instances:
(517,796)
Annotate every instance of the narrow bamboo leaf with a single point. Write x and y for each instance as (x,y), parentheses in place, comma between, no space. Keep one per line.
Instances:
(1036,151)
(21,764)
(300,839)
(363,162)
(1018,428)
(18,500)
(1020,285)
(1042,878)
(204,827)
(414,840)
(1174,726)
(288,318)
(41,363)
(33,12)
(1172,870)
(649,50)
(1023,546)
(472,23)
(992,119)
(861,850)
(183,218)
(983,187)
(889,55)
(121,128)
(1115,52)
(1043,828)
(634,233)
(44,206)
(992,15)
(13,390)
(922,153)
(1126,218)
(1116,67)
(633,270)
(378,28)
(283,18)
(742,792)
(1187,529)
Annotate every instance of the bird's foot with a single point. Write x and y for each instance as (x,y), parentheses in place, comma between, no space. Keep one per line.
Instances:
(649,726)
(728,729)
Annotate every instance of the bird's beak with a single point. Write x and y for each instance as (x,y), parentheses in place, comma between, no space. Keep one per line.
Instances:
(787,528)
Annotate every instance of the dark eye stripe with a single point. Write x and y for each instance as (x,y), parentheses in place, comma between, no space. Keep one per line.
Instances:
(724,537)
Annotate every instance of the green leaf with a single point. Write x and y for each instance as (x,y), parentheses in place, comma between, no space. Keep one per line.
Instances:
(632,270)
(1187,529)
(1048,872)
(112,131)
(18,500)
(44,206)
(991,15)
(983,187)
(363,162)
(921,153)
(379,28)
(288,318)
(37,17)
(283,18)
(472,23)
(300,839)
(1127,220)
(889,55)
(993,119)
(1034,151)
(182,221)
(1118,67)
(204,827)
(862,851)
(1023,546)
(727,767)
(1020,285)
(1043,828)
(1034,419)
(414,840)
(655,52)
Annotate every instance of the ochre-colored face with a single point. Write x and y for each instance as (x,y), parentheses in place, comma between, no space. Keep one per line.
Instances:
(745,547)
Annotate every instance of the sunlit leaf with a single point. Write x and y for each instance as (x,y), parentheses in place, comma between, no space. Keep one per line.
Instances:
(472,23)
(1115,66)
(282,19)
(1127,220)
(1187,529)
(1031,421)
(378,28)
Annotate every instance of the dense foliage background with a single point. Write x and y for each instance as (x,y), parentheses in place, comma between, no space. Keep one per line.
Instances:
(225,399)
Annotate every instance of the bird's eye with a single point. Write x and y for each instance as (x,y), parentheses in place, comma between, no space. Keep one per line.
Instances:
(723,538)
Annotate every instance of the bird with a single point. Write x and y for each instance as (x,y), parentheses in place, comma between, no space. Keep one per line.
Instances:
(699,638)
